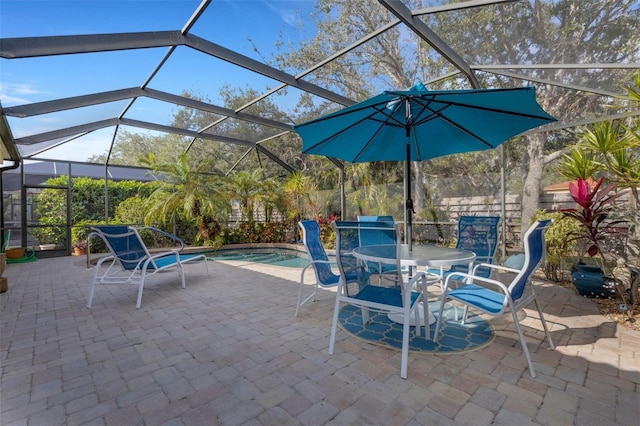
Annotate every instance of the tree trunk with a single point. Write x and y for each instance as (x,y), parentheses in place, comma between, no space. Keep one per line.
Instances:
(531,189)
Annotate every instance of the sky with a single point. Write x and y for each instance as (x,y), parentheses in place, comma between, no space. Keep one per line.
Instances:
(239,25)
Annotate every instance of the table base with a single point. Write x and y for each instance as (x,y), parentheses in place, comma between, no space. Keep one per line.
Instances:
(399,318)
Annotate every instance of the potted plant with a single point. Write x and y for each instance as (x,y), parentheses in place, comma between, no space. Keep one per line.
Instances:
(596,227)
(80,248)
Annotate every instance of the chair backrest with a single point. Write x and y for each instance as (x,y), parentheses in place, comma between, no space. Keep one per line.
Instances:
(383,234)
(479,234)
(125,244)
(535,250)
(375,218)
(315,250)
(348,237)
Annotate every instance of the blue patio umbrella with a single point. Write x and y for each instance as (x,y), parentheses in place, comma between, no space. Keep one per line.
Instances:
(418,124)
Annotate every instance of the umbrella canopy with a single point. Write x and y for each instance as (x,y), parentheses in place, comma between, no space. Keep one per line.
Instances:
(418,124)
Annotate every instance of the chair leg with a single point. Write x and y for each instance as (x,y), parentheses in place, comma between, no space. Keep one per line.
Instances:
(181,273)
(439,320)
(311,297)
(544,324)
(523,343)
(334,325)
(464,314)
(405,344)
(140,288)
(365,316)
(426,316)
(299,297)
(93,284)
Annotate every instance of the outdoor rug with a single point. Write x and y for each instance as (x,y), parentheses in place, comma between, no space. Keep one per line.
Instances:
(475,333)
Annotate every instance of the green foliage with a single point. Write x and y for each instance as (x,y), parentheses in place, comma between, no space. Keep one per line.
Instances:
(327,233)
(131,211)
(300,189)
(434,234)
(595,206)
(560,248)
(80,232)
(188,191)
(87,204)
(609,148)
(254,232)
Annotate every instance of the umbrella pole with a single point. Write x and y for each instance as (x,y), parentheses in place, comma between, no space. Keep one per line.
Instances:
(408,238)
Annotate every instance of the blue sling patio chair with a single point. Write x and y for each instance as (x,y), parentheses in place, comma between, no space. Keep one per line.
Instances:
(494,297)
(356,288)
(479,234)
(130,261)
(319,261)
(373,236)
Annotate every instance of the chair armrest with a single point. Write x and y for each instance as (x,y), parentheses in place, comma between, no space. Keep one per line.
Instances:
(469,278)
(145,261)
(313,262)
(165,234)
(494,266)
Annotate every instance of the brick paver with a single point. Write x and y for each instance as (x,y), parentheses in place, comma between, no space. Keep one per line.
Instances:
(226,350)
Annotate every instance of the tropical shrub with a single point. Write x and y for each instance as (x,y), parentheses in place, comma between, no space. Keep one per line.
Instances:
(560,249)
(87,204)
(327,233)
(595,205)
(190,191)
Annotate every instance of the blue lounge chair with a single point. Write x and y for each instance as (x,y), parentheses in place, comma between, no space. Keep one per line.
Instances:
(495,298)
(130,260)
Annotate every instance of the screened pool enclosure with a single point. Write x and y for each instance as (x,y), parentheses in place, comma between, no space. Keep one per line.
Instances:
(92,88)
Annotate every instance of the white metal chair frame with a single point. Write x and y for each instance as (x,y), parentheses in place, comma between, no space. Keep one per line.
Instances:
(132,264)
(397,299)
(513,296)
(319,261)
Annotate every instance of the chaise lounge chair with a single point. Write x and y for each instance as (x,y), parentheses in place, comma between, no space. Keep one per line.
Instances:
(130,260)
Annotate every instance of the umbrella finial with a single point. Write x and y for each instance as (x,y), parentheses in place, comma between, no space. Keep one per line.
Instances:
(419,87)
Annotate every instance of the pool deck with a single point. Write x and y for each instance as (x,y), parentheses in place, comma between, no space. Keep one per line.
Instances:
(227,350)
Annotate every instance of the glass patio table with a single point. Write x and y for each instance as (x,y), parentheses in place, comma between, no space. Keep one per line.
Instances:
(419,256)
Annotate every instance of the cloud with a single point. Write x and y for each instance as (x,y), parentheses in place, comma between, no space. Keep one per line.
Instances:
(17,93)
(8,100)
(25,89)
(287,15)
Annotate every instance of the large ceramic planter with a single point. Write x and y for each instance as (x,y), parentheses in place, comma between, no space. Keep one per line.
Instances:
(590,281)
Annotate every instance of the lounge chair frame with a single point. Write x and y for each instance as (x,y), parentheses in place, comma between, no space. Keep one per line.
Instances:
(131,262)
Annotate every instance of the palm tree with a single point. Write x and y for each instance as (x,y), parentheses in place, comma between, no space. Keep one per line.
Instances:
(299,188)
(189,190)
(247,187)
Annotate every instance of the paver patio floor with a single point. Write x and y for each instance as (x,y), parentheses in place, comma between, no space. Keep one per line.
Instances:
(227,350)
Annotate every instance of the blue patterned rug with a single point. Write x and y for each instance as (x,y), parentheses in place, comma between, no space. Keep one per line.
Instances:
(454,337)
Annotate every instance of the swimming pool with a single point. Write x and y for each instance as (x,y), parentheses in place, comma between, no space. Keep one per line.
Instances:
(270,256)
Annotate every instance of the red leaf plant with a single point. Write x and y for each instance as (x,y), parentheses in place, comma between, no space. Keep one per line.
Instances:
(595,206)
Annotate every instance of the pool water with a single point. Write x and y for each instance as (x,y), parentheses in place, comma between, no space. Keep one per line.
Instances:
(268,256)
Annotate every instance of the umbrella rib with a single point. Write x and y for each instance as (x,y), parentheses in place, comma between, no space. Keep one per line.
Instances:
(436,113)
(389,121)
(376,108)
(479,107)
